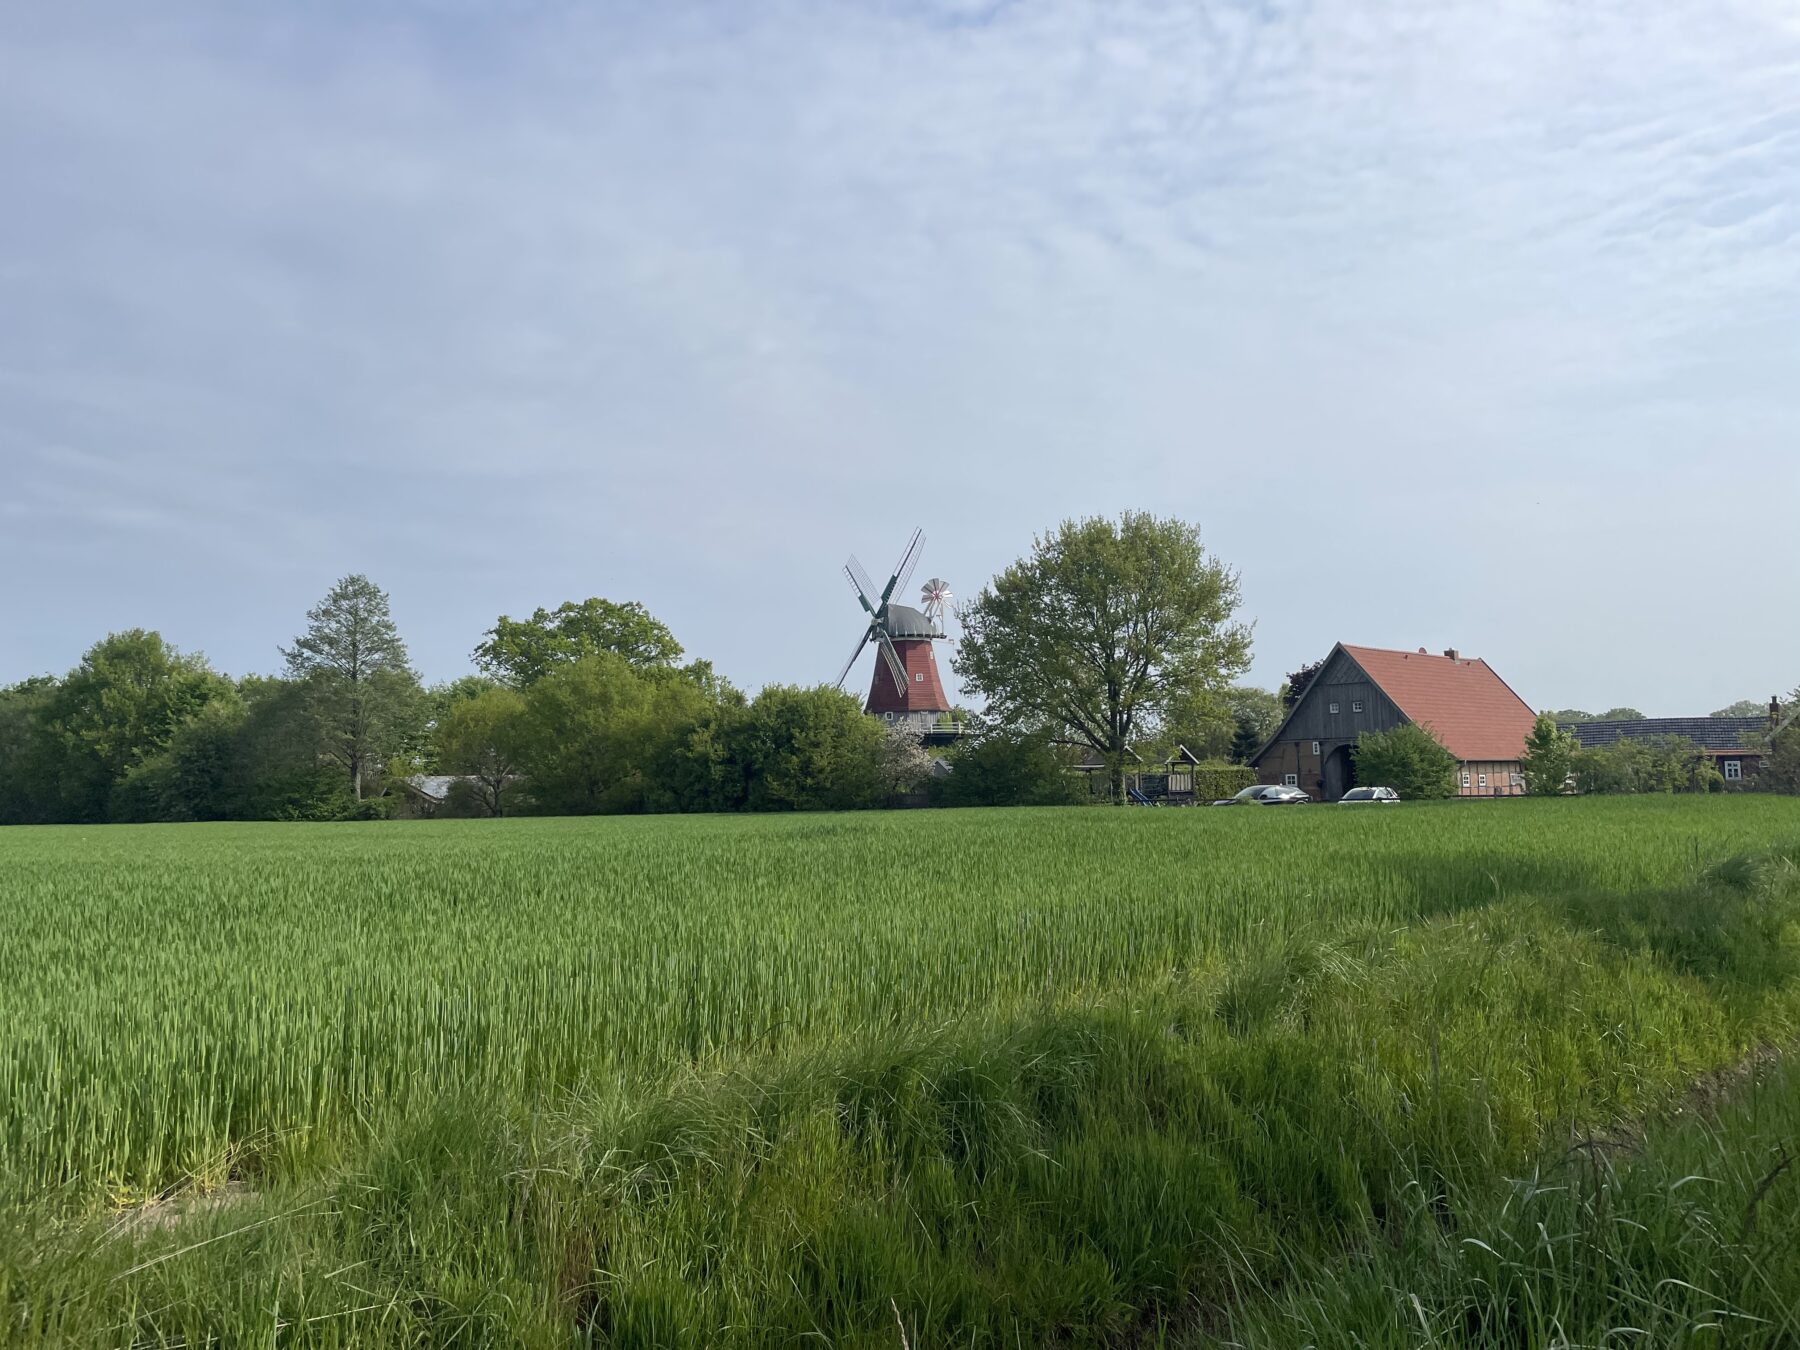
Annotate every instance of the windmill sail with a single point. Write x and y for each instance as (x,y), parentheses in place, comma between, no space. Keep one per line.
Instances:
(906,690)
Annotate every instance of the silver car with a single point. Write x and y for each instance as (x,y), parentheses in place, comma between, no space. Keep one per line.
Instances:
(1266,794)
(1368,794)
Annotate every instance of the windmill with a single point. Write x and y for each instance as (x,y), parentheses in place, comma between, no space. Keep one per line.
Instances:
(906,687)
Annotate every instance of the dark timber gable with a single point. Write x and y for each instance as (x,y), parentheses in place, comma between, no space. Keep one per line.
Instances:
(1343,682)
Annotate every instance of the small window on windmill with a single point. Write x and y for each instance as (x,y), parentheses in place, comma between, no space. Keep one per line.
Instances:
(1356,705)
(1334,708)
(889,716)
(1315,747)
(918,677)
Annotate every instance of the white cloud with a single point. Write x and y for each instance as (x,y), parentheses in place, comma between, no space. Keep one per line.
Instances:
(512,305)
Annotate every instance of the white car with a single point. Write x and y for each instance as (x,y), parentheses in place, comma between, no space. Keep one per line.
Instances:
(1368,794)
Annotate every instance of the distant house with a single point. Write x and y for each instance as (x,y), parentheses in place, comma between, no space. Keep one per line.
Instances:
(424,794)
(1735,744)
(1468,707)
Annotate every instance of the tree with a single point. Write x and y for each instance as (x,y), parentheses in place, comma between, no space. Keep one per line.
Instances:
(116,709)
(1006,768)
(365,695)
(1744,707)
(1652,764)
(599,735)
(1298,682)
(1610,715)
(1781,765)
(484,736)
(29,756)
(1102,630)
(195,776)
(520,652)
(1227,725)
(1255,714)
(1200,719)
(903,763)
(1408,759)
(1549,757)
(812,749)
(278,772)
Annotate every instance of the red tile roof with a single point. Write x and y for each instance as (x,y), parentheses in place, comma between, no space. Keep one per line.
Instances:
(1467,706)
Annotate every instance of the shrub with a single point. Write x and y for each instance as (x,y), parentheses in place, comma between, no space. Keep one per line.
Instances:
(1004,768)
(1215,782)
(1408,759)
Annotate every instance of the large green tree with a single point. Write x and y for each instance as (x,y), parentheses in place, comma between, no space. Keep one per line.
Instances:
(30,758)
(600,735)
(364,694)
(520,652)
(1103,631)
(116,709)
(795,749)
(485,737)
(1549,758)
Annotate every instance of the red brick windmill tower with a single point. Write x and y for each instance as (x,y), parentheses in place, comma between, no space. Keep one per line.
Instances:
(906,689)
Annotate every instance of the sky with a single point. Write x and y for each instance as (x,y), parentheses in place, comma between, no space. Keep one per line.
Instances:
(1449,324)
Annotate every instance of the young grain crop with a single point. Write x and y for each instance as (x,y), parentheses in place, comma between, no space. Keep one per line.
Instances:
(197,1000)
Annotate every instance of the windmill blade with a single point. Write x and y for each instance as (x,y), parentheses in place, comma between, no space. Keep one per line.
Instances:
(863,580)
(903,568)
(860,583)
(895,665)
(861,642)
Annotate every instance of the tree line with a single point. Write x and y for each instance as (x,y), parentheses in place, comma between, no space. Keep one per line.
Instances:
(585,708)
(1111,635)
(1119,637)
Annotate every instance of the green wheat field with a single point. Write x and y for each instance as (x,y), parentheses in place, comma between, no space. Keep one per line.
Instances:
(1487,1073)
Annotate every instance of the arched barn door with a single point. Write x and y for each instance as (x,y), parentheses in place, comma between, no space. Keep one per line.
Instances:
(1340,772)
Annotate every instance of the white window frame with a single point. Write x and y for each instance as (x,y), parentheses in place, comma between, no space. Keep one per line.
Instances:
(1733,769)
(918,677)
(889,716)
(1315,747)
(1290,780)
(1465,778)
(1481,780)
(1356,705)
(1334,708)
(1517,780)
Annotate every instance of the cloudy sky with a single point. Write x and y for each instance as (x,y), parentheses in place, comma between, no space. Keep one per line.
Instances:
(1449,323)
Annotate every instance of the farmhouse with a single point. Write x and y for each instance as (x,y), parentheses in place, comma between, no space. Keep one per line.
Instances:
(1735,744)
(1459,699)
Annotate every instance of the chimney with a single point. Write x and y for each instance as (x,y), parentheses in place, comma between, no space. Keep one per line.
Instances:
(1452,653)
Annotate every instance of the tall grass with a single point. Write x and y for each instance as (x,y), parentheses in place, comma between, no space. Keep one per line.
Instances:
(177,999)
(971,1078)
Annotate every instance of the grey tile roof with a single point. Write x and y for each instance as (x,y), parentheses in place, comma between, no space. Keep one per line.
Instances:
(434,785)
(1709,733)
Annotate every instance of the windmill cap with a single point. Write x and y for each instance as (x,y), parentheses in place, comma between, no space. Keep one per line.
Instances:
(903,621)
